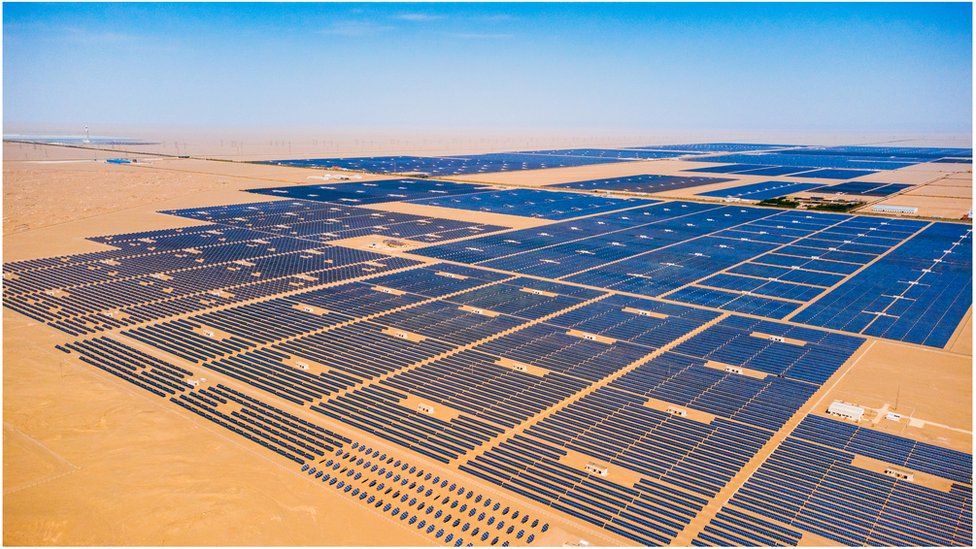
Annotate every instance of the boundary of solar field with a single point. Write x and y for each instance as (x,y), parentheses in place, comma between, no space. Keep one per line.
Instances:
(607,194)
(626,194)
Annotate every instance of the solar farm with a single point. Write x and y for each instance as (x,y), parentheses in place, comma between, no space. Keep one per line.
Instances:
(555,347)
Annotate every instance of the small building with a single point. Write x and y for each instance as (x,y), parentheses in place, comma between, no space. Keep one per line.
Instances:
(596,469)
(900,475)
(681,412)
(889,208)
(846,411)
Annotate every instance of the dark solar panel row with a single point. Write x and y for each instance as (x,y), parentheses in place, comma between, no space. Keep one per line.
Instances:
(669,268)
(180,238)
(736,302)
(762,191)
(755,169)
(438,280)
(534,203)
(324,222)
(442,508)
(648,512)
(270,427)
(621,154)
(72,275)
(642,321)
(475,383)
(733,527)
(156,309)
(494,247)
(865,188)
(93,306)
(716,147)
(756,344)
(565,259)
(370,192)
(816,487)
(687,381)
(378,410)
(527,298)
(261,214)
(792,158)
(448,322)
(553,349)
(763,287)
(647,183)
(362,350)
(918,456)
(450,165)
(835,173)
(617,427)
(270,370)
(915,154)
(136,367)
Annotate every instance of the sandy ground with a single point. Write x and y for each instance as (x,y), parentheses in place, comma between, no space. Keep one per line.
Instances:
(81,445)
(891,374)
(505,220)
(930,206)
(942,190)
(90,460)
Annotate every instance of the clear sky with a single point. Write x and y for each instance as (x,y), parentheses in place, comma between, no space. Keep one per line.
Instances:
(871,67)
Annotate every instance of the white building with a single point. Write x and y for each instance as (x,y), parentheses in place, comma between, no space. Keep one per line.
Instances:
(846,411)
(888,208)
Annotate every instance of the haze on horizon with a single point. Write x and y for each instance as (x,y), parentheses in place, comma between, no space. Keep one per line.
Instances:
(490,67)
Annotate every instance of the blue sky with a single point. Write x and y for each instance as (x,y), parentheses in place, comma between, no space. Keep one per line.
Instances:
(540,67)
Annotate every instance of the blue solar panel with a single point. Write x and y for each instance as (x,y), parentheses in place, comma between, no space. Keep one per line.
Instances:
(369,192)
(648,183)
(793,158)
(836,174)
(811,483)
(762,191)
(534,203)
(729,168)
(716,147)
(448,165)
(734,341)
(739,302)
(622,154)
(773,170)
(865,188)
(917,293)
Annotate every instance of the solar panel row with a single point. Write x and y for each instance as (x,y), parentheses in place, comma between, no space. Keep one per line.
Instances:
(374,478)
(451,165)
(533,203)
(762,191)
(647,183)
(814,482)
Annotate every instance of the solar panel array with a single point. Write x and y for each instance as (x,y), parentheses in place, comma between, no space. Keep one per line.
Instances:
(826,162)
(648,183)
(533,203)
(762,191)
(813,483)
(440,166)
(618,366)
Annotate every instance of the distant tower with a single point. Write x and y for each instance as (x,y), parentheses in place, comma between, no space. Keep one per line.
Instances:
(87,137)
